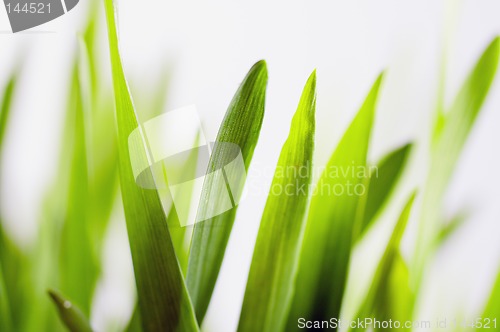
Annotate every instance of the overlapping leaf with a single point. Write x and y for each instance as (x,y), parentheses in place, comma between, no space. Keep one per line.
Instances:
(449,138)
(163,300)
(241,126)
(274,265)
(331,223)
(379,300)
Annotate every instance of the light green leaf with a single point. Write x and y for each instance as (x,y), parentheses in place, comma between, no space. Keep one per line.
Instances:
(134,325)
(382,181)
(448,142)
(240,126)
(70,314)
(377,300)
(163,300)
(275,260)
(331,224)
(78,263)
(6,104)
(492,310)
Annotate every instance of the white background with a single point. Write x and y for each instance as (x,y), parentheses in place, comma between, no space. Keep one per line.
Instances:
(208,48)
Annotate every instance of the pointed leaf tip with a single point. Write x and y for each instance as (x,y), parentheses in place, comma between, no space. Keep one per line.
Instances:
(71,316)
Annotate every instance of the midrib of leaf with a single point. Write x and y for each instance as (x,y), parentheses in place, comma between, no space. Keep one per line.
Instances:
(163,300)
(275,260)
(331,225)
(240,126)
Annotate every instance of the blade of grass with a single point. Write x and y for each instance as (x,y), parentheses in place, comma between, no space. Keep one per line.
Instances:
(163,300)
(6,104)
(448,143)
(240,126)
(70,314)
(78,265)
(382,182)
(492,310)
(12,259)
(5,311)
(275,260)
(378,291)
(330,228)
(134,325)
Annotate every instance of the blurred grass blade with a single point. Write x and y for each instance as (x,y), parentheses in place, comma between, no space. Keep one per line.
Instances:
(134,325)
(70,314)
(492,309)
(6,104)
(5,311)
(163,300)
(240,126)
(381,183)
(331,223)
(447,146)
(275,259)
(78,265)
(450,227)
(378,291)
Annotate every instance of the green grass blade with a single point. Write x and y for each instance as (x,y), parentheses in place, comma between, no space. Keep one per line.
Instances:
(134,325)
(5,310)
(378,292)
(448,143)
(450,228)
(240,126)
(492,309)
(6,104)
(12,260)
(331,224)
(71,315)
(78,265)
(275,259)
(163,300)
(382,182)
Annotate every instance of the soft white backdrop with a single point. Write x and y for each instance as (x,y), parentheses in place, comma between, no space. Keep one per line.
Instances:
(209,47)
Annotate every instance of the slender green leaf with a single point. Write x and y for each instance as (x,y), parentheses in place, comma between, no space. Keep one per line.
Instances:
(450,227)
(5,105)
(275,260)
(378,293)
(163,300)
(240,126)
(382,181)
(134,325)
(492,310)
(448,142)
(331,223)
(78,265)
(71,315)
(5,311)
